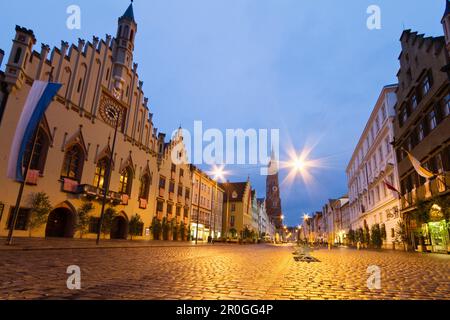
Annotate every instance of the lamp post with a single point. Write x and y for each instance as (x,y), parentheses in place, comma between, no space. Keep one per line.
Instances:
(306,219)
(219,173)
(114,114)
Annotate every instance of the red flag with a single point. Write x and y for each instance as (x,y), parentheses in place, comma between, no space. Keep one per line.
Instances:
(392,188)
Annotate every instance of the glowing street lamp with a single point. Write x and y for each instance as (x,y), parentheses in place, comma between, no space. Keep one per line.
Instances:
(219,174)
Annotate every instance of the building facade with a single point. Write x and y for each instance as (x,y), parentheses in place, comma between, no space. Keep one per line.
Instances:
(237,210)
(207,206)
(374,163)
(74,141)
(422,128)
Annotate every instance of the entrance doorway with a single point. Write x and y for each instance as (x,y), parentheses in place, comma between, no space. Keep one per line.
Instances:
(60,224)
(119,228)
(439,236)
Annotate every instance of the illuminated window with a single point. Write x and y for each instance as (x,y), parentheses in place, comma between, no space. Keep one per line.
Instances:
(100,172)
(126,179)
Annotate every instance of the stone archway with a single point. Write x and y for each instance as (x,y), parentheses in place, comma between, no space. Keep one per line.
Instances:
(60,224)
(119,228)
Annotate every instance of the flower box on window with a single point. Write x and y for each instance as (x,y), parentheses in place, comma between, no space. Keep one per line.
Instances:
(32,177)
(142,203)
(70,185)
(125,199)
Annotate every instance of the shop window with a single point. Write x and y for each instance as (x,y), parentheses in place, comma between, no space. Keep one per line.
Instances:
(22,219)
(93,225)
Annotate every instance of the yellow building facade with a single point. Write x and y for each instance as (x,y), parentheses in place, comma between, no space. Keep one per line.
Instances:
(75,139)
(207,206)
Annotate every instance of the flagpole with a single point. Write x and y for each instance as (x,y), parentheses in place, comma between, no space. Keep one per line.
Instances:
(9,240)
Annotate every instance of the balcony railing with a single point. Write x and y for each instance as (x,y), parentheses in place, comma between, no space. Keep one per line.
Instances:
(88,190)
(426,191)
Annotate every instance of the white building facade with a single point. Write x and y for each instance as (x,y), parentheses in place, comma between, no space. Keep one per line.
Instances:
(372,164)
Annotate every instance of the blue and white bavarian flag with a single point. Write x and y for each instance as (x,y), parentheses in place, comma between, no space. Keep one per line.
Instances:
(38,100)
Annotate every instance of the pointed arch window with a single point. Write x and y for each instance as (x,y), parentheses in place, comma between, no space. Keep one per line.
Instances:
(73,163)
(126,179)
(126,31)
(119,33)
(145,187)
(40,151)
(100,173)
(132,35)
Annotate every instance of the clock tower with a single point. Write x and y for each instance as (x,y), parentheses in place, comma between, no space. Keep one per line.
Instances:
(273,200)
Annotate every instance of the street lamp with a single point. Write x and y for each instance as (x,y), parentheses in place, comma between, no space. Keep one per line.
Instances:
(114,115)
(306,218)
(219,174)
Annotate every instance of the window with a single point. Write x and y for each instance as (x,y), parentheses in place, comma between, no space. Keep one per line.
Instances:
(233,207)
(420,132)
(93,225)
(145,187)
(132,35)
(178,211)
(432,122)
(403,116)
(172,187)
(446,106)
(162,183)
(160,206)
(174,168)
(40,151)
(79,85)
(126,180)
(181,173)
(383,112)
(232,221)
(22,219)
(186,212)
(414,102)
(18,55)
(180,190)
(426,86)
(73,163)
(100,172)
(169,208)
(187,193)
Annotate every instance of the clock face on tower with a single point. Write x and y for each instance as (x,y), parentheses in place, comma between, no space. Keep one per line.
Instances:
(110,110)
(274,188)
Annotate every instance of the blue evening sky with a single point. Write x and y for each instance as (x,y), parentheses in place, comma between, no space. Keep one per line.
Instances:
(308,67)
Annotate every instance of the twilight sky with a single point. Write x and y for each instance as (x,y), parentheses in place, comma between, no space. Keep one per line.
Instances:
(310,68)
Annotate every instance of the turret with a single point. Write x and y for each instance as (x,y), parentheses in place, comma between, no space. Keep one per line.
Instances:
(20,55)
(124,47)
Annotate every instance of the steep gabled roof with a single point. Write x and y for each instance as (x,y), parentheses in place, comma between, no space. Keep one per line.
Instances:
(236,187)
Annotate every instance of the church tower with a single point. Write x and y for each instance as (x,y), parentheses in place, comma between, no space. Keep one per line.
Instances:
(446,24)
(273,199)
(123,49)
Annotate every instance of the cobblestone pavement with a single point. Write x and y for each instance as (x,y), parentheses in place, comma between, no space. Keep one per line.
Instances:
(221,272)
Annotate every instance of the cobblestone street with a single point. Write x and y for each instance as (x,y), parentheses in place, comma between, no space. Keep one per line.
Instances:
(221,272)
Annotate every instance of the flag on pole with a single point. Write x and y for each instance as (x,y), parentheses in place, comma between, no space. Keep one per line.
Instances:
(38,100)
(423,172)
(392,188)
